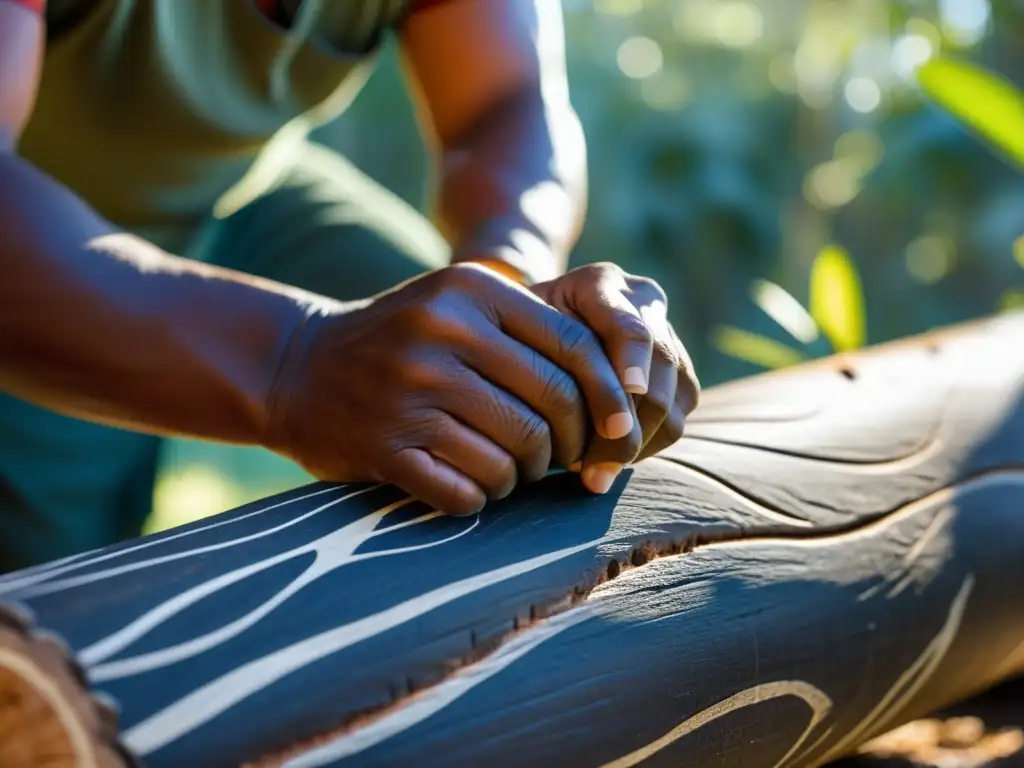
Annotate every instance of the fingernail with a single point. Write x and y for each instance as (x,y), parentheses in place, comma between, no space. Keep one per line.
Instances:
(619,425)
(599,478)
(635,381)
(576,466)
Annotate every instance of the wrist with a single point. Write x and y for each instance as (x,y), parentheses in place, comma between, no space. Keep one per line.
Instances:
(527,261)
(500,266)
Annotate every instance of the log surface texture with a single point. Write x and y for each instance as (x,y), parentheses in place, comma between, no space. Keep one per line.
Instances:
(831,551)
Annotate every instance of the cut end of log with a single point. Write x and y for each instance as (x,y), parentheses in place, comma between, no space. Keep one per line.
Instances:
(47,714)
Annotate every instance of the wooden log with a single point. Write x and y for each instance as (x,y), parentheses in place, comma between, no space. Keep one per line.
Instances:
(831,551)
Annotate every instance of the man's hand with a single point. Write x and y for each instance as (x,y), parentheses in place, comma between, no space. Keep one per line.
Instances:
(629,315)
(452,386)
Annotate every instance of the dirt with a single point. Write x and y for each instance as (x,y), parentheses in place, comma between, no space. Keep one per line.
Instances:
(985,732)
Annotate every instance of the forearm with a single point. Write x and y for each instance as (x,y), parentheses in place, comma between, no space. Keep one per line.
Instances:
(101,325)
(515,187)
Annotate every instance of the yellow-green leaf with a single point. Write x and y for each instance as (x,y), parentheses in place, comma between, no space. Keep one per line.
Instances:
(1018,251)
(754,348)
(837,301)
(1012,300)
(780,305)
(986,102)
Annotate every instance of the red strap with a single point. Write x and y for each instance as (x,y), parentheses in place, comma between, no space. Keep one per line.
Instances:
(36,6)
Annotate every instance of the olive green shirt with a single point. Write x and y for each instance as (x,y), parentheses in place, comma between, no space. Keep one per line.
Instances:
(152,110)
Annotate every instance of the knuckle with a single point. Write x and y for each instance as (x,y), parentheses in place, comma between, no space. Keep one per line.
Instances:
(650,287)
(439,318)
(560,391)
(665,351)
(673,426)
(658,403)
(534,433)
(424,375)
(574,338)
(634,329)
(607,267)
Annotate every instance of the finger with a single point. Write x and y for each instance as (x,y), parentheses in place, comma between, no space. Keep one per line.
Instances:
(653,408)
(511,424)
(492,468)
(605,459)
(521,385)
(573,347)
(669,433)
(688,385)
(624,332)
(435,482)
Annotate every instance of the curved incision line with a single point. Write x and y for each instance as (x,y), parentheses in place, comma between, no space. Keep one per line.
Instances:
(420,708)
(332,552)
(814,697)
(755,505)
(222,693)
(922,452)
(908,684)
(28,590)
(925,452)
(900,579)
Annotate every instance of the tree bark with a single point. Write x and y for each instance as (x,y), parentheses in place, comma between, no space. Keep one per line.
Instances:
(832,550)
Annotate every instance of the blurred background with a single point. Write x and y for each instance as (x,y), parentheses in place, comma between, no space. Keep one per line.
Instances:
(800,175)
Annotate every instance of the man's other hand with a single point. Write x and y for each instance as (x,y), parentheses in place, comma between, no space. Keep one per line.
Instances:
(629,315)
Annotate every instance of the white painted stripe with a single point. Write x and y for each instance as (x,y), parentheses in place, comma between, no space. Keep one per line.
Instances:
(332,552)
(23,579)
(814,697)
(206,702)
(48,587)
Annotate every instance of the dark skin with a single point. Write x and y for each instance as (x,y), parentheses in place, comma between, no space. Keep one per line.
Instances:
(454,386)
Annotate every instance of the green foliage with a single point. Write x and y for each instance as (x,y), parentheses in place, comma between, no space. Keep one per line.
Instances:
(754,348)
(1012,300)
(985,102)
(836,310)
(837,300)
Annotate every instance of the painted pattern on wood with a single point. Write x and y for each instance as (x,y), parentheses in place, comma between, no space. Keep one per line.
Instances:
(831,550)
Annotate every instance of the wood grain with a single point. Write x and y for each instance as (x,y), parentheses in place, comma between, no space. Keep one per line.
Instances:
(831,551)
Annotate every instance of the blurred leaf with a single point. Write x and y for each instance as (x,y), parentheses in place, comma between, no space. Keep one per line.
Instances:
(1012,300)
(191,494)
(986,102)
(754,348)
(780,305)
(1018,251)
(837,301)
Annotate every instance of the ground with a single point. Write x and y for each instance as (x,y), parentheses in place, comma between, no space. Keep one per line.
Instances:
(986,732)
